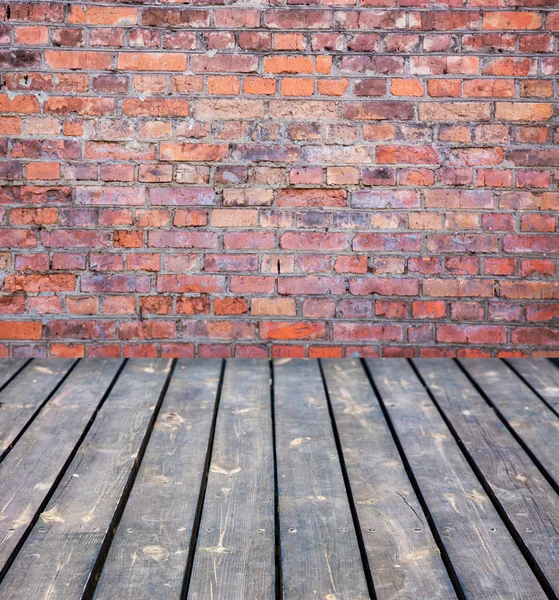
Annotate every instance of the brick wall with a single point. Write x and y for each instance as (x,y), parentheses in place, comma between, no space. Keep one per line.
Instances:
(279,178)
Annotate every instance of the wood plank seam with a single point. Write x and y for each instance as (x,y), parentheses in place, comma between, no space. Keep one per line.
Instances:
(551,480)
(277,532)
(104,550)
(14,375)
(532,388)
(533,564)
(60,475)
(203,487)
(351,500)
(5,452)
(435,532)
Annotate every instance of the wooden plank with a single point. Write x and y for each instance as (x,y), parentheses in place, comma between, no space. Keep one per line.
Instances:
(148,555)
(29,471)
(534,423)
(486,560)
(26,394)
(319,549)
(9,367)
(235,553)
(542,375)
(403,556)
(61,551)
(526,496)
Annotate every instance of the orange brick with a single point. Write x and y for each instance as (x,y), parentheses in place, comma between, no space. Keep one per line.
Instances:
(80,59)
(297,86)
(103,15)
(20,330)
(406,87)
(495,21)
(324,64)
(33,35)
(43,170)
(523,111)
(10,125)
(332,87)
(226,85)
(259,86)
(289,41)
(288,64)
(440,88)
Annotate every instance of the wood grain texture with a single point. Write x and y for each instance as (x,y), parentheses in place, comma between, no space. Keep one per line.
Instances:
(319,548)
(57,558)
(486,560)
(526,496)
(29,471)
(235,552)
(149,552)
(23,397)
(9,367)
(403,556)
(530,418)
(542,375)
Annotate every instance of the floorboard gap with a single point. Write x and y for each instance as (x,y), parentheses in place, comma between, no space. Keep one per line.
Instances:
(277,532)
(349,492)
(60,475)
(435,532)
(39,408)
(7,383)
(531,387)
(532,563)
(119,511)
(554,484)
(203,487)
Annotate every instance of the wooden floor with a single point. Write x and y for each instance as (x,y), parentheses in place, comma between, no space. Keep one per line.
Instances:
(249,480)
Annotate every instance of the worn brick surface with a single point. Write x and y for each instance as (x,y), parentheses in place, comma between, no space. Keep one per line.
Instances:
(279,178)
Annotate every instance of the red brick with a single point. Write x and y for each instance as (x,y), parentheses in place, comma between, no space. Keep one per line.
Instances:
(470,334)
(292,240)
(428,309)
(538,336)
(156,107)
(367,332)
(281,330)
(384,287)
(151,61)
(230,306)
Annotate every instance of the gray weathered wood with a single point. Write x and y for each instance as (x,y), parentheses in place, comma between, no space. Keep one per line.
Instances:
(530,418)
(403,556)
(24,396)
(147,558)
(542,375)
(57,559)
(319,548)
(29,471)
(234,557)
(9,367)
(526,496)
(486,559)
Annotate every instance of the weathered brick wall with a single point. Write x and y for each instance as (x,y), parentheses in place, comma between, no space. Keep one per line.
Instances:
(283,178)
